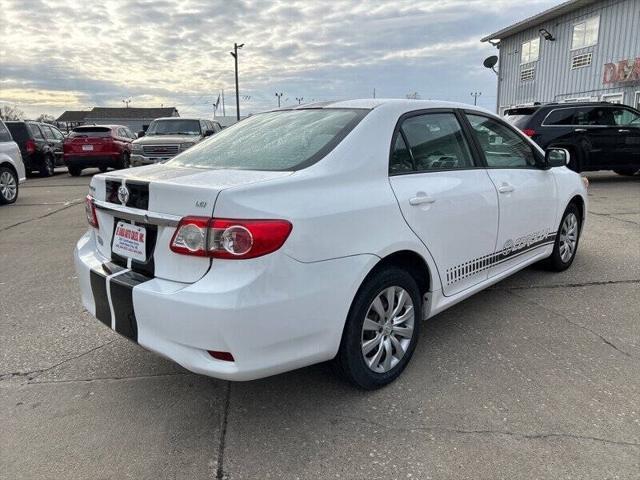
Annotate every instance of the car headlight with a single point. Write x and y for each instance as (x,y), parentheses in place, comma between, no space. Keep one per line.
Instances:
(136,147)
(184,146)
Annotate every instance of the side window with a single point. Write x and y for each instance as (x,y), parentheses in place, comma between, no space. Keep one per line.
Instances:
(5,136)
(436,142)
(48,134)
(57,134)
(35,131)
(562,116)
(502,147)
(217,127)
(400,161)
(598,116)
(624,116)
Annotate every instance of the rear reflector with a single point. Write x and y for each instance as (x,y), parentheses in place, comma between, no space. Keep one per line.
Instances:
(226,356)
(90,211)
(230,239)
(529,132)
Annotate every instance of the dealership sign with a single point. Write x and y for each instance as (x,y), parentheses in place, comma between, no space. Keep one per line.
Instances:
(625,71)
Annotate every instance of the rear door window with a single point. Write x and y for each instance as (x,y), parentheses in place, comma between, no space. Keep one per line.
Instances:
(625,116)
(48,134)
(436,142)
(35,131)
(5,136)
(57,133)
(18,131)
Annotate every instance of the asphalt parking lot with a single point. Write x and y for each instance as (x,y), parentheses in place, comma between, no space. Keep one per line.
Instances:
(537,377)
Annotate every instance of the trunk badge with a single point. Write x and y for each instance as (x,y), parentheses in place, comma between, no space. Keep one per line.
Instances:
(123,194)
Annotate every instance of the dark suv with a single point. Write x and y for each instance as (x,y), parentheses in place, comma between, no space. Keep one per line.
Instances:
(40,145)
(599,136)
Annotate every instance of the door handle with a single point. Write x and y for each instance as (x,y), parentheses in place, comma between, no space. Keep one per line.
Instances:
(623,130)
(580,130)
(505,188)
(421,200)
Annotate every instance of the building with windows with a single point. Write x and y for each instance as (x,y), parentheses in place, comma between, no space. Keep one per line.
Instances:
(580,50)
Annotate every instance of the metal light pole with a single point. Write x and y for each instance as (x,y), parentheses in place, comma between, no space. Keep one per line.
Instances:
(299,100)
(279,95)
(234,54)
(475,96)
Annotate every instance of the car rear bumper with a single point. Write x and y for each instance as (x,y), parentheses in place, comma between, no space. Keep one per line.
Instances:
(273,313)
(92,160)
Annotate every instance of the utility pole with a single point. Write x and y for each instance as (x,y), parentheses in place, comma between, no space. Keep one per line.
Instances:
(279,95)
(224,112)
(126,102)
(234,54)
(299,100)
(475,96)
(374,93)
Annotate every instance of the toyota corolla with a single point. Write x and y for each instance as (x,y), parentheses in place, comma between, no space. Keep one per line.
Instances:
(324,232)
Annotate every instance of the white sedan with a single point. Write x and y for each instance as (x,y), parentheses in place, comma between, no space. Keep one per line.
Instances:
(324,232)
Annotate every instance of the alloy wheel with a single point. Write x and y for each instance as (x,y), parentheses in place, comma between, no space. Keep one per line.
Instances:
(8,186)
(387,329)
(568,237)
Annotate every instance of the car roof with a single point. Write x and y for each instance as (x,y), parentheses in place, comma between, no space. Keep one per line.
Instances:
(182,118)
(397,104)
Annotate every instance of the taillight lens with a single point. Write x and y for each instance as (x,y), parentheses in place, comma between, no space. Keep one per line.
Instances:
(90,211)
(230,239)
(529,132)
(30,146)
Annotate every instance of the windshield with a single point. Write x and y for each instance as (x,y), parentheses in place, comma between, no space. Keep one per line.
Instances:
(275,141)
(174,127)
(90,132)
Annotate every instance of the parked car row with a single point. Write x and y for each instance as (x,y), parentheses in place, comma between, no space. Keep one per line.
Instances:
(598,135)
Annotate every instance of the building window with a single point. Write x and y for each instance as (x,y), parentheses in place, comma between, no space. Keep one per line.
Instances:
(585,34)
(527,73)
(617,98)
(579,61)
(530,51)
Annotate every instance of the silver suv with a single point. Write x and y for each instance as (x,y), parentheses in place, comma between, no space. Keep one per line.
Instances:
(166,137)
(12,172)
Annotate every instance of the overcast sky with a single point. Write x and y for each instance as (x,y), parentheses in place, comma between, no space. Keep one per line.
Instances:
(57,56)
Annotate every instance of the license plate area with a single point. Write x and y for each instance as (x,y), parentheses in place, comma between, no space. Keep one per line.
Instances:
(146,267)
(130,241)
(87,148)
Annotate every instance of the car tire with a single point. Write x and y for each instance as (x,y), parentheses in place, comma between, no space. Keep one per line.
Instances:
(567,240)
(103,169)
(374,354)
(125,161)
(8,186)
(48,167)
(627,172)
(74,171)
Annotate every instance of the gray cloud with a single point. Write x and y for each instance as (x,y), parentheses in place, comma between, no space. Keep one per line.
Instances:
(177,52)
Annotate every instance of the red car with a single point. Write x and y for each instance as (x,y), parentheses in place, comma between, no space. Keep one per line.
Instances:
(100,146)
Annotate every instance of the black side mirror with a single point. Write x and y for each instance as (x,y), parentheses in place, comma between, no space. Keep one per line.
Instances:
(208,133)
(141,133)
(556,157)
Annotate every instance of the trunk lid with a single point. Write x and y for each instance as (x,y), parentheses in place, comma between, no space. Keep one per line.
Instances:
(157,197)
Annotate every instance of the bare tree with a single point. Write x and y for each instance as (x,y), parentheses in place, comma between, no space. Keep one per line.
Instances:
(9,112)
(413,96)
(46,118)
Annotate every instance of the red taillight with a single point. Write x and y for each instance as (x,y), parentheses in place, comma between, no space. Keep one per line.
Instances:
(226,356)
(226,238)
(90,210)
(529,132)
(30,146)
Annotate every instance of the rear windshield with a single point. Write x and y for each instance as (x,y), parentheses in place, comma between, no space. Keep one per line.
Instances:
(519,116)
(276,141)
(90,132)
(174,127)
(18,131)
